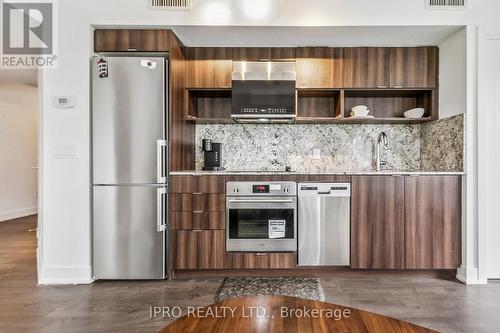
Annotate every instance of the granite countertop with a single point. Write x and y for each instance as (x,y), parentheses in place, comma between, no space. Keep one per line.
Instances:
(326,173)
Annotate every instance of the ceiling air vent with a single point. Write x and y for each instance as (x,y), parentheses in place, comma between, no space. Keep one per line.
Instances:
(445,4)
(170,4)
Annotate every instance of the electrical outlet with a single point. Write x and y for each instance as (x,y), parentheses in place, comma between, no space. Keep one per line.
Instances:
(316,153)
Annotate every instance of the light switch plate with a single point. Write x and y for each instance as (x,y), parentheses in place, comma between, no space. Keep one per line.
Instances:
(64,102)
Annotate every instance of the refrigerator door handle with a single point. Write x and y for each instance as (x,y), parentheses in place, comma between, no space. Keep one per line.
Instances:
(160,192)
(160,148)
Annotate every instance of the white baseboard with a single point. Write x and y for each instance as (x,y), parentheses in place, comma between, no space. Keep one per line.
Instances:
(65,275)
(469,275)
(17,213)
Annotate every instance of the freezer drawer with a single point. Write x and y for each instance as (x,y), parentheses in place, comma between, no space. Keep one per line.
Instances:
(324,225)
(128,238)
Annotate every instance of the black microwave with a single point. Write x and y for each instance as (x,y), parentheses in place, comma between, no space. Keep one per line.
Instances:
(263,92)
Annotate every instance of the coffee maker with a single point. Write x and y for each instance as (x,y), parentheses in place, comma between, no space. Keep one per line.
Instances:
(212,153)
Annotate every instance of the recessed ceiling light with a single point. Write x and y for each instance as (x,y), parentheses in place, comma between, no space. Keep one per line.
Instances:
(256,9)
(217,12)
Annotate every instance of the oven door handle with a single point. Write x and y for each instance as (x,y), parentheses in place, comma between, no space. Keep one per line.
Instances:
(259,201)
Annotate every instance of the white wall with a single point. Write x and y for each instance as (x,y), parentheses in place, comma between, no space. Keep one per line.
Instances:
(453,75)
(489,152)
(65,233)
(18,150)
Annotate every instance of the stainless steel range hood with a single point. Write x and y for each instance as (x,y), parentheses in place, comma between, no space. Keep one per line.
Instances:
(263,92)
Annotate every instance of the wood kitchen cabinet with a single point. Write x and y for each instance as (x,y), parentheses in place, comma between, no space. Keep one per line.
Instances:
(197,217)
(377,222)
(319,67)
(122,40)
(197,220)
(199,249)
(276,260)
(208,67)
(365,67)
(197,184)
(432,222)
(414,67)
(264,53)
(197,202)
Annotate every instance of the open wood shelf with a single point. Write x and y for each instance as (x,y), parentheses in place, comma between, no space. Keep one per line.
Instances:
(208,106)
(322,106)
(319,105)
(389,104)
(400,120)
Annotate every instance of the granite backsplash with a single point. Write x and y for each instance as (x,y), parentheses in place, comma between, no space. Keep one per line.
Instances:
(341,146)
(442,144)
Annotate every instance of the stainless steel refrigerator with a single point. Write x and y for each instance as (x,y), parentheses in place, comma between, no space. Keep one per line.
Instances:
(129,134)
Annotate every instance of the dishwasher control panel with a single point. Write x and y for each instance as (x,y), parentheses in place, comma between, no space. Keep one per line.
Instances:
(325,189)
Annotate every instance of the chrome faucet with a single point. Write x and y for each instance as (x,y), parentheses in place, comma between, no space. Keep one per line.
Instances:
(382,138)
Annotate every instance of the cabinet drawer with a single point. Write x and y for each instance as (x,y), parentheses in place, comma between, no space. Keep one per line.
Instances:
(197,202)
(197,220)
(198,249)
(239,260)
(197,184)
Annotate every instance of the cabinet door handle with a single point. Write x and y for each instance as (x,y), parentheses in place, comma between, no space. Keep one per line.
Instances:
(197,193)
(382,87)
(261,254)
(197,212)
(197,230)
(397,87)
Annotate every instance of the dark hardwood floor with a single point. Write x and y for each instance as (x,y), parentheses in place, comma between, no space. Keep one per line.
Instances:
(118,306)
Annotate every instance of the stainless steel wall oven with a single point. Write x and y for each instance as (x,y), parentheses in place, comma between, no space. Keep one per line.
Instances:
(261,216)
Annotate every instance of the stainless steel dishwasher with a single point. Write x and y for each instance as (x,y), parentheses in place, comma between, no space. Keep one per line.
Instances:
(324,223)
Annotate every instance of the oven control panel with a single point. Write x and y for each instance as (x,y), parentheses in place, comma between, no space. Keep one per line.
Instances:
(261,188)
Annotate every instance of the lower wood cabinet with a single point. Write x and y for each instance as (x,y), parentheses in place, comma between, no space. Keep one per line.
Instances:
(197,184)
(240,260)
(410,222)
(197,220)
(197,249)
(432,222)
(377,222)
(183,202)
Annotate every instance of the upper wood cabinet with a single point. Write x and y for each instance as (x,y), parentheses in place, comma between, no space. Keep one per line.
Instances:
(263,53)
(122,40)
(377,222)
(414,67)
(319,67)
(432,222)
(208,67)
(365,67)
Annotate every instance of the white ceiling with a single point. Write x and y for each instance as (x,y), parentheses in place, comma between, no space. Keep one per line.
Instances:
(256,36)
(266,36)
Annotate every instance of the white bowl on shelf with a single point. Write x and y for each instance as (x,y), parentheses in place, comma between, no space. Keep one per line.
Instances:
(360,110)
(415,113)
